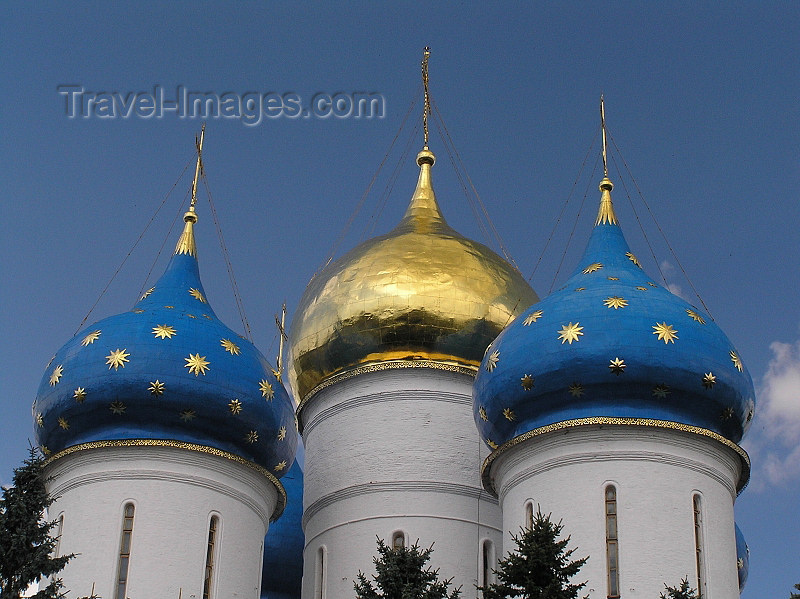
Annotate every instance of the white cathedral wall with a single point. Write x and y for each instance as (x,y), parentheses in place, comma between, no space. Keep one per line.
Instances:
(656,472)
(388,451)
(175,493)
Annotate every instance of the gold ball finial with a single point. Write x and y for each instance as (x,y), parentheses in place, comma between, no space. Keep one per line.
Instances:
(190,217)
(606,184)
(426,157)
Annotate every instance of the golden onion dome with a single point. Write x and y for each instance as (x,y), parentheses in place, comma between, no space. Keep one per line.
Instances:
(421,293)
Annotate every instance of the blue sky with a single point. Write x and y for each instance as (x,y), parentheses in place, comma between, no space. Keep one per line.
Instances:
(701,101)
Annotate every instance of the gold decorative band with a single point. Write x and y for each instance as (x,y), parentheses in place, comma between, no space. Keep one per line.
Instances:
(186,446)
(488,482)
(386,365)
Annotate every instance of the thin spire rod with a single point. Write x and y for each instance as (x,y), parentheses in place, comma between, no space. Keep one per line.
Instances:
(603,127)
(278,372)
(198,167)
(426,53)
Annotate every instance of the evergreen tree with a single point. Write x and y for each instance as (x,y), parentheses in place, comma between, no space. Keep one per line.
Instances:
(795,595)
(401,574)
(540,568)
(26,546)
(682,592)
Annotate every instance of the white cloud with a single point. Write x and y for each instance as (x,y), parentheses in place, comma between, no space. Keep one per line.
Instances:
(669,271)
(774,440)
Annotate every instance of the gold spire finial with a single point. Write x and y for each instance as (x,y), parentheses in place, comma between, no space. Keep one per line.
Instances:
(426,53)
(605,215)
(281,324)
(186,244)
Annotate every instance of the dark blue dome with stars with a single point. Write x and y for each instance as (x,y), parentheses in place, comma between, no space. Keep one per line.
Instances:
(167,370)
(611,344)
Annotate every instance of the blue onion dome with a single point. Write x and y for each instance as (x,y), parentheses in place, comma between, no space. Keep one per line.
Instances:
(612,344)
(167,370)
(420,294)
(282,569)
(742,558)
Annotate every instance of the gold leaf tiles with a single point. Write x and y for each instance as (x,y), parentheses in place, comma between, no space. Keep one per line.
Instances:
(594,267)
(527,382)
(532,317)
(156,388)
(197,294)
(90,338)
(117,358)
(235,406)
(56,375)
(79,394)
(615,302)
(570,332)
(492,360)
(196,364)
(665,332)
(617,366)
(230,346)
(163,331)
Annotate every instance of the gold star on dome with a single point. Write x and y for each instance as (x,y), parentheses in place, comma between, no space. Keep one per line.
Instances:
(56,375)
(188,415)
(749,414)
(695,316)
(737,361)
(79,394)
(197,365)
(156,388)
(651,284)
(117,407)
(281,433)
(665,332)
(726,414)
(740,563)
(492,360)
(615,302)
(617,366)
(169,307)
(576,390)
(39,419)
(280,466)
(570,332)
(527,382)
(251,437)
(509,414)
(206,316)
(580,289)
(491,444)
(138,311)
(613,278)
(266,389)
(230,346)
(532,317)
(661,391)
(146,293)
(44,449)
(235,406)
(640,288)
(709,380)
(62,422)
(164,331)
(592,268)
(633,259)
(191,316)
(117,358)
(482,414)
(91,338)
(196,294)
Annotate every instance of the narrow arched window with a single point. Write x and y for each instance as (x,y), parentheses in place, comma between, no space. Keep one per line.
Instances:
(529,515)
(487,563)
(211,556)
(59,532)
(398,539)
(612,541)
(319,574)
(125,551)
(698,543)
